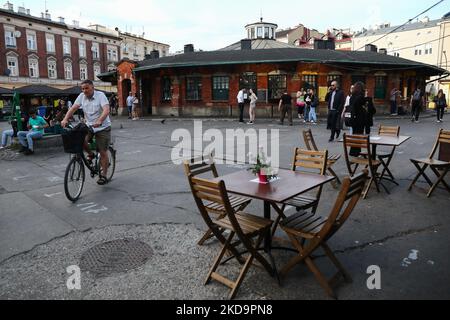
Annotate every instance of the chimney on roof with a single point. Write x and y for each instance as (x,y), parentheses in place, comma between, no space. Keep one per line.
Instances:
(76,23)
(28,12)
(246,44)
(371,48)
(48,16)
(324,44)
(188,48)
(62,20)
(154,54)
(382,51)
(8,6)
(21,10)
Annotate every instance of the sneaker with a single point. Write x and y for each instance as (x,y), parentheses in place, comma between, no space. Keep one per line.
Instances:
(250,122)
(2,147)
(439,121)
(331,140)
(417,121)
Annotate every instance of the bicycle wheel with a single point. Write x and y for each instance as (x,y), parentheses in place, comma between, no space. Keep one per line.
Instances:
(111,163)
(74,179)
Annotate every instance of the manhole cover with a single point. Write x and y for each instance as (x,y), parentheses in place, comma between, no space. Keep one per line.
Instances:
(115,257)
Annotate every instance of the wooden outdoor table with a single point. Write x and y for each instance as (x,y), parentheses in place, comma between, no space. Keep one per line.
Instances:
(290,184)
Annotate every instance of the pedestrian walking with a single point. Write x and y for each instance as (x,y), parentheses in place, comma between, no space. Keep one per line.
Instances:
(347,112)
(130,105)
(441,104)
(358,113)
(417,102)
(252,110)
(136,110)
(336,100)
(370,112)
(285,106)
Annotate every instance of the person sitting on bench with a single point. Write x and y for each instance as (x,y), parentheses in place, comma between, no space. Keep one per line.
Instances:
(36,126)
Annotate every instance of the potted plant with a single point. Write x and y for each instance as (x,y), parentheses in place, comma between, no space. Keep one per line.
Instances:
(261,167)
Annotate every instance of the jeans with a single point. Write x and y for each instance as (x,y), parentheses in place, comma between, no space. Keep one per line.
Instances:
(313,115)
(416,110)
(440,113)
(28,136)
(307,111)
(393,107)
(5,135)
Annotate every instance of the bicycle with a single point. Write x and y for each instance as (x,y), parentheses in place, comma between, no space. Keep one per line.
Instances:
(75,175)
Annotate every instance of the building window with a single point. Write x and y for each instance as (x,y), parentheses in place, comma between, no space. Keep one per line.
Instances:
(50,41)
(112,54)
(51,65)
(248,81)
(83,72)
(334,77)
(277,86)
(166,89)
(10,38)
(221,88)
(66,47)
(418,51)
(310,82)
(260,32)
(97,71)
(164,53)
(13,66)
(82,48)
(252,33)
(33,68)
(95,51)
(429,48)
(194,88)
(380,87)
(111,67)
(266,32)
(31,41)
(68,74)
(125,48)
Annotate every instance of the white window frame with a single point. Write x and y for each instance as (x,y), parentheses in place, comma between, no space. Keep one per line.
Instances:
(50,43)
(83,71)
(95,51)
(428,48)
(82,48)
(112,54)
(111,67)
(66,42)
(31,41)
(97,70)
(68,70)
(15,69)
(10,38)
(33,67)
(52,69)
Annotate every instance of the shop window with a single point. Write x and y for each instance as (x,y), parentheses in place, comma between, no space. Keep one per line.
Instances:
(277,86)
(380,87)
(310,82)
(166,86)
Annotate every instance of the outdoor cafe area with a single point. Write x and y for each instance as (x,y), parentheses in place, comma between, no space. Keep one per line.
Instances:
(290,220)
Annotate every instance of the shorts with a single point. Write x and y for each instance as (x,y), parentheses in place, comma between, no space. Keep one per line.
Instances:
(102,139)
(130,109)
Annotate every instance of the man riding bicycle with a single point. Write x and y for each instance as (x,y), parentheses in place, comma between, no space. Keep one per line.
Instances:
(96,110)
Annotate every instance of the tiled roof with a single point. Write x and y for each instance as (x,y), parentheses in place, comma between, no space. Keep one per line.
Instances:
(352,58)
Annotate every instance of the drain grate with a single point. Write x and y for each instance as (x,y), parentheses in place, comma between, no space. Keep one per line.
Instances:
(117,256)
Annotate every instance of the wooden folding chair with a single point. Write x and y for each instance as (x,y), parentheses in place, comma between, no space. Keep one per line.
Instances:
(199,166)
(308,232)
(386,158)
(305,159)
(361,143)
(332,159)
(440,166)
(243,225)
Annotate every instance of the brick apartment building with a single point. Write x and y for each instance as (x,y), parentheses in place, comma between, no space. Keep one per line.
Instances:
(38,50)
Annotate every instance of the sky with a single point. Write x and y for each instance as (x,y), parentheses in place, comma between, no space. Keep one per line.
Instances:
(211,25)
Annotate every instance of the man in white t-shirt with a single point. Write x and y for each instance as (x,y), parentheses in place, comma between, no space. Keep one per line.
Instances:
(96,111)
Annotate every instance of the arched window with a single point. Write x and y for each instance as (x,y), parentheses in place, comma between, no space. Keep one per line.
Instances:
(51,67)
(83,70)
(12,64)
(97,70)
(33,66)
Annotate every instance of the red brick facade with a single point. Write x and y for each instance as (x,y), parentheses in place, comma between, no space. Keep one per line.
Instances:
(179,105)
